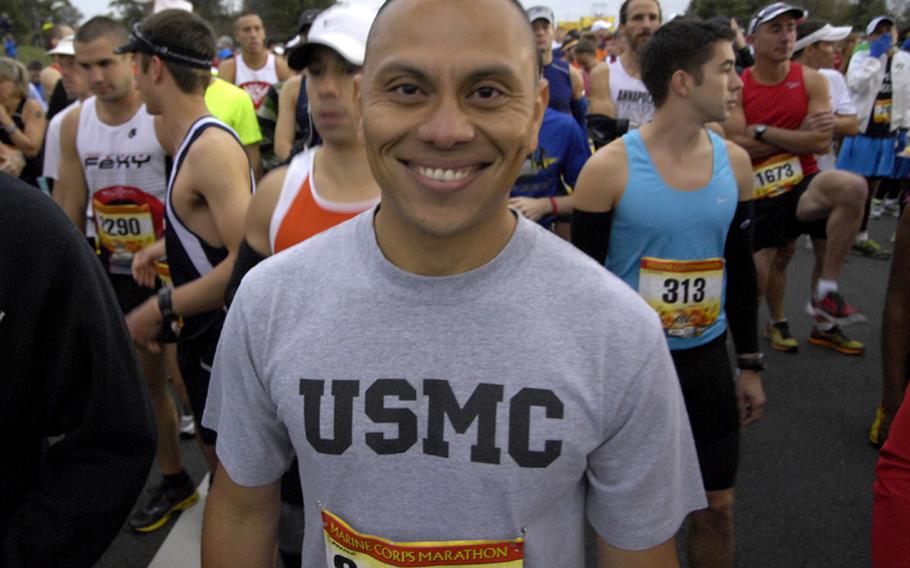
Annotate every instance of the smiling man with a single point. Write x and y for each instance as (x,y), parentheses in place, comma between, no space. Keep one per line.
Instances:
(397,354)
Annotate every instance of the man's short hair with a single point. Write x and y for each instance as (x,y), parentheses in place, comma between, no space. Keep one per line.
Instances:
(515,3)
(624,11)
(182,32)
(102,26)
(681,44)
(585,45)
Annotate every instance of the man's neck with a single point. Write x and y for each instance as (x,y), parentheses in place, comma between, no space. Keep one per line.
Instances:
(177,118)
(114,113)
(675,127)
(630,63)
(416,252)
(768,72)
(255,59)
(804,61)
(546,56)
(347,169)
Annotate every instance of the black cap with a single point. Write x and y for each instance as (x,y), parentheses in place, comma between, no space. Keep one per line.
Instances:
(307,18)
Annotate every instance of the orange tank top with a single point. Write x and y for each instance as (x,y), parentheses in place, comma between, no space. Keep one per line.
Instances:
(300,212)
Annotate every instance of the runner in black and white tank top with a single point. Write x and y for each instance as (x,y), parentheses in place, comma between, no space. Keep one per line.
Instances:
(189,256)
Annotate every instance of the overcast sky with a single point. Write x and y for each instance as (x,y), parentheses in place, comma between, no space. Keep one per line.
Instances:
(565,9)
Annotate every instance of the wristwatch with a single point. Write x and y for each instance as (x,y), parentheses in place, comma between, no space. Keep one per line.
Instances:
(10,129)
(760,131)
(164,304)
(751,363)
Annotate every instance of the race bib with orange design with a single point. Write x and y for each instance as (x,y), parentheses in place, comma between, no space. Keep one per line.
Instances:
(776,176)
(686,294)
(123,230)
(881,112)
(347,548)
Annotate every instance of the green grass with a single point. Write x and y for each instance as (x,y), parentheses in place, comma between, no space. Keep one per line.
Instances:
(26,53)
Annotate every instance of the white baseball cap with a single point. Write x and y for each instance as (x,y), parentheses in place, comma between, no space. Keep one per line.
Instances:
(64,47)
(342,27)
(771,11)
(601,25)
(541,13)
(870,29)
(824,33)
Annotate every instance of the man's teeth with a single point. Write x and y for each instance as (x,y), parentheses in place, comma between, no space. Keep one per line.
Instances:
(443,175)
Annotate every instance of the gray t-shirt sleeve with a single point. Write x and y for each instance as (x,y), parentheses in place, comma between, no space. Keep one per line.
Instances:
(645,478)
(253,445)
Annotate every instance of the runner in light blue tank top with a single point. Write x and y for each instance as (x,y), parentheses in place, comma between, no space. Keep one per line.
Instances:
(690,290)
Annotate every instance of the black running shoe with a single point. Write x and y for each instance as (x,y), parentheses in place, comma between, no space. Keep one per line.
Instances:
(164,502)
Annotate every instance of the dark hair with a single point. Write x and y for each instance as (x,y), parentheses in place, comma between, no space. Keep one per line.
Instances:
(102,26)
(35,65)
(183,32)
(585,45)
(515,3)
(680,45)
(624,11)
(805,28)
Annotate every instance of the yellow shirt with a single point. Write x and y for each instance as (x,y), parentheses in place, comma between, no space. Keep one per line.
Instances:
(232,106)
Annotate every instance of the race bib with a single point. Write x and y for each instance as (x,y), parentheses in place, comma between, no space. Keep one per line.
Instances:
(122,231)
(881,112)
(685,294)
(347,548)
(776,176)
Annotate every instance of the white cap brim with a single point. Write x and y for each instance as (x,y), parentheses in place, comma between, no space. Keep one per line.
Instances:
(870,29)
(64,47)
(825,33)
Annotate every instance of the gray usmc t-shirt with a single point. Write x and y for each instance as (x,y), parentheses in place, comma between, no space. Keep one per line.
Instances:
(512,399)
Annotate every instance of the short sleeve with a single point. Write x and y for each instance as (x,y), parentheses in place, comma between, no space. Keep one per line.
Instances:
(253,445)
(843,102)
(245,122)
(51,167)
(645,479)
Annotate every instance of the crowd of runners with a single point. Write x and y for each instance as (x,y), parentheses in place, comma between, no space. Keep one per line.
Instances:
(432,371)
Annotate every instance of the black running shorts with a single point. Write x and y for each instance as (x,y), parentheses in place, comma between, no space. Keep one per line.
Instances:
(195,358)
(776,223)
(706,379)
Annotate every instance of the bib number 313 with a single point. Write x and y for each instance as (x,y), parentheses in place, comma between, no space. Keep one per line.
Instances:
(686,294)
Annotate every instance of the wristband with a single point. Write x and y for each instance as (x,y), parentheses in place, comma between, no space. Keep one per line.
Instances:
(164,304)
(754,363)
(553,206)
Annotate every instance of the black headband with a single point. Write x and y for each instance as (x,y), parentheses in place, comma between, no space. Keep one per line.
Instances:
(138,42)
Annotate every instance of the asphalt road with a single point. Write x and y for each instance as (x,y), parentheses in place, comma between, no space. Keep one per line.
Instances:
(804,487)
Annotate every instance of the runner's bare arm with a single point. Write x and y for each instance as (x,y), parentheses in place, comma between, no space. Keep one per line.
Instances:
(240,526)
(262,206)
(661,556)
(227,70)
(286,122)
(282,70)
(578,83)
(144,270)
(815,136)
(846,125)
(736,131)
(216,156)
(48,78)
(599,99)
(70,190)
